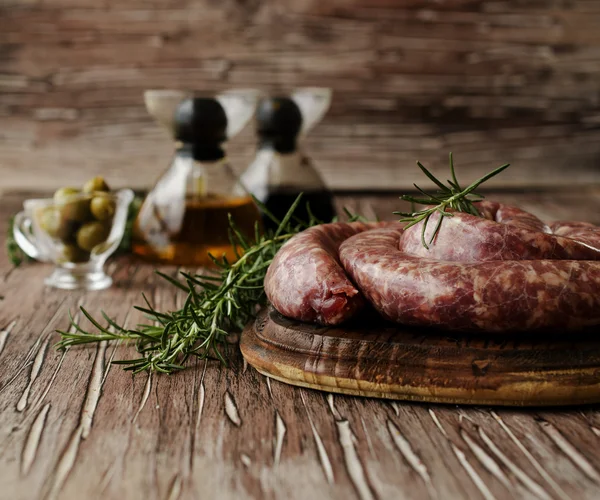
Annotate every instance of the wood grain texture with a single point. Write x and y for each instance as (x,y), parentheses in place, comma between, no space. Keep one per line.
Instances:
(494,81)
(72,426)
(372,358)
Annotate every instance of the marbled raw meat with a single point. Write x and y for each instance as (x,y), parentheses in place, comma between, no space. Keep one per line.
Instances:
(305,281)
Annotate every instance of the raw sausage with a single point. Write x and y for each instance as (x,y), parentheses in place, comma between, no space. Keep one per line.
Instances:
(511,235)
(305,281)
(479,275)
(506,270)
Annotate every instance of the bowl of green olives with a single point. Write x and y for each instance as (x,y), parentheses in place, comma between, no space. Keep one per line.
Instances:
(77,229)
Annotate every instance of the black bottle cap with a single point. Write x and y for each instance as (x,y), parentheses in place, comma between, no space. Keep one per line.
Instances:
(201,122)
(279,121)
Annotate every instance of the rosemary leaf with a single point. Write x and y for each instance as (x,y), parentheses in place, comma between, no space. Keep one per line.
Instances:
(433,178)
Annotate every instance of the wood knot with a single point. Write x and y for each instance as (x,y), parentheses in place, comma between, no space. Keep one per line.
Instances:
(480,367)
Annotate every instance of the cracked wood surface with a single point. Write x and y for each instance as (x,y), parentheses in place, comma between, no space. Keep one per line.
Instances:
(73,426)
(412,80)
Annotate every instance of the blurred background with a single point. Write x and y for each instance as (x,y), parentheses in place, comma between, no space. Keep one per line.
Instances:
(493,81)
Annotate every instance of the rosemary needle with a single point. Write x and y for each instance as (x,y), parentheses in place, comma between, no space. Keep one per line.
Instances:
(452,196)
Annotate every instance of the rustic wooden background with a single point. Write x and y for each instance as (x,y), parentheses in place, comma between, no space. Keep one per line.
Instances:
(492,80)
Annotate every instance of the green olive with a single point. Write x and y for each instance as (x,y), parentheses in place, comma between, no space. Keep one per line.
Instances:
(102,207)
(102,247)
(72,205)
(72,253)
(77,210)
(95,184)
(51,222)
(92,234)
(65,193)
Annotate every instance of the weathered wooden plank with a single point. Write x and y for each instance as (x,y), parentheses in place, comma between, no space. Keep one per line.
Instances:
(493,81)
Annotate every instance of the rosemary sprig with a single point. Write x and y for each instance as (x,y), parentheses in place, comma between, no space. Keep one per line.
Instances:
(132,211)
(15,255)
(215,305)
(452,196)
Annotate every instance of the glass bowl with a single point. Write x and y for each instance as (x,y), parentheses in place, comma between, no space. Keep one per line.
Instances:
(77,234)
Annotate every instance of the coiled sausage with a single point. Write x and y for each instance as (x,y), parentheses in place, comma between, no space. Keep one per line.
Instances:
(504,271)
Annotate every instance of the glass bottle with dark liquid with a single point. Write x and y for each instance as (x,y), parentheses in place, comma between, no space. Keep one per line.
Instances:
(280,170)
(185,216)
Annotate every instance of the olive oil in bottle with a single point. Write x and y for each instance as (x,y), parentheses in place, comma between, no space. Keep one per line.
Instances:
(186,215)
(280,170)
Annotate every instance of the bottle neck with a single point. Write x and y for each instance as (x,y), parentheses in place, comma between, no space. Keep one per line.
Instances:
(283,145)
(200,152)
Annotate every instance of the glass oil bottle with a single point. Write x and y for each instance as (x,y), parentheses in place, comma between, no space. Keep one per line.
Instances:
(185,216)
(280,170)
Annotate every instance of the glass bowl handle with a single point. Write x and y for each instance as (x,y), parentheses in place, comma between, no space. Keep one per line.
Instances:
(24,236)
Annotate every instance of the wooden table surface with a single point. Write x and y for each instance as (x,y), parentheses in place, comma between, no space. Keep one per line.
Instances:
(72,426)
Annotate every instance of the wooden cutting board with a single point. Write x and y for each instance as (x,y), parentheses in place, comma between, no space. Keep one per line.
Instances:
(376,359)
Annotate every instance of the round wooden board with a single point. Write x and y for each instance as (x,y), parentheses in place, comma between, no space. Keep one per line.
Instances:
(397,362)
